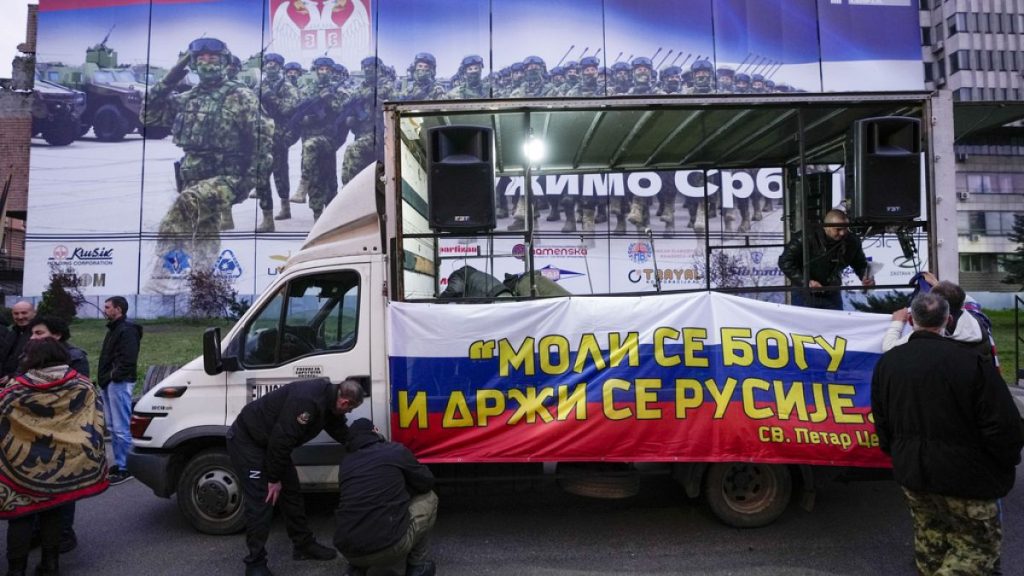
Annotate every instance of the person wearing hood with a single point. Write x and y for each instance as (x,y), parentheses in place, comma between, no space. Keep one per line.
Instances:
(57,329)
(51,420)
(962,327)
(386,505)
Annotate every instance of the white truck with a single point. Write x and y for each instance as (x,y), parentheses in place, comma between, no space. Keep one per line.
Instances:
(331,312)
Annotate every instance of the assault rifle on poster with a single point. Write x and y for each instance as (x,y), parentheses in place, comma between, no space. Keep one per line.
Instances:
(314,106)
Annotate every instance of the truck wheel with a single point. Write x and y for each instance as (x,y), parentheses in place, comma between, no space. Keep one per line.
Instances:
(108,124)
(746,495)
(155,132)
(210,495)
(61,133)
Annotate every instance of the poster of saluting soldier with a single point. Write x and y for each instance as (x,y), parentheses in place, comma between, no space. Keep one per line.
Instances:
(215,132)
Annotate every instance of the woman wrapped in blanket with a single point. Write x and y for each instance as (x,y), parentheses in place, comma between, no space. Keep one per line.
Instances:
(51,450)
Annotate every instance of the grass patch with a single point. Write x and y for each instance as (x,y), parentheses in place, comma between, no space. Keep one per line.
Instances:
(165,341)
(1004,331)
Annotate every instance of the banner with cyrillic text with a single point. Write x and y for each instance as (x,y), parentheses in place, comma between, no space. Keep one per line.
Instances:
(662,378)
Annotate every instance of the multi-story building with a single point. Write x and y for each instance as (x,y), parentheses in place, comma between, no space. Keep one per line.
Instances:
(975,49)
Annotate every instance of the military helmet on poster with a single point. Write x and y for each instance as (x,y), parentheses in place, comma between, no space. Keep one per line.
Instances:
(273,57)
(207,46)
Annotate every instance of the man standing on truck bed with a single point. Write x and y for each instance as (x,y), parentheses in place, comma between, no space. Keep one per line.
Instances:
(832,248)
(947,419)
(118,371)
(260,443)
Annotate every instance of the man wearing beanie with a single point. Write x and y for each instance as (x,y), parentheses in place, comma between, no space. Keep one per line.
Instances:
(386,507)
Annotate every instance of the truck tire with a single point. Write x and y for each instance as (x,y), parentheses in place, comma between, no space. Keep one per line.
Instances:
(747,495)
(155,132)
(60,133)
(109,125)
(210,495)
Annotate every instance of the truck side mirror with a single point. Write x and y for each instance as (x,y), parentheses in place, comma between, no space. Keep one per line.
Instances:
(213,364)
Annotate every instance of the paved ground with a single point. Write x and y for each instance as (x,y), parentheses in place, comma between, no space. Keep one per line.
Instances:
(858,528)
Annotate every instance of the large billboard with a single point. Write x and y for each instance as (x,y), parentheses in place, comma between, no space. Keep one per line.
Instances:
(182,166)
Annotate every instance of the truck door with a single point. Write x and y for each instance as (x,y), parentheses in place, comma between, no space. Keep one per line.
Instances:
(316,324)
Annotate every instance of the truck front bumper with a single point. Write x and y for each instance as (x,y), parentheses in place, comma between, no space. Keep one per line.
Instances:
(153,468)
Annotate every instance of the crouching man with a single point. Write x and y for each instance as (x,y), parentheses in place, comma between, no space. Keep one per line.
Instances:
(386,508)
(260,444)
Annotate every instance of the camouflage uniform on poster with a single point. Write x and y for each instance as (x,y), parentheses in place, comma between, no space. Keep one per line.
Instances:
(279,98)
(644,80)
(644,83)
(340,131)
(293,71)
(534,84)
(360,113)
(726,78)
(671,80)
(556,86)
(515,78)
(424,86)
(757,84)
(316,116)
(741,83)
(622,79)
(587,85)
(572,75)
(226,141)
(472,84)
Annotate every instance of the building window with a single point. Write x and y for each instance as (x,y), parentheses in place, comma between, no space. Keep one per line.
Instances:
(984,60)
(970,262)
(997,25)
(962,95)
(926,36)
(994,182)
(927,71)
(956,23)
(997,60)
(959,60)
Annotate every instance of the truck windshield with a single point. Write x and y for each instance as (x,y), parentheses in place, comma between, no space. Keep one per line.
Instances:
(309,315)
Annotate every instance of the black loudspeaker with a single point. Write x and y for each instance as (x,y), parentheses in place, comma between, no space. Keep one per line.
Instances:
(883,169)
(460,179)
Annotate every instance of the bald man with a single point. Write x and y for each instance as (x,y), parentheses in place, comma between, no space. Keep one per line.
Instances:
(22,313)
(832,248)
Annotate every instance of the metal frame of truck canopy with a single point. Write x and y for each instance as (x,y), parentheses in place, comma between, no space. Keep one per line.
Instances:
(792,131)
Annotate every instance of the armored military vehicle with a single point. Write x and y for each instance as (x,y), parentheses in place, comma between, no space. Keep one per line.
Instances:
(56,112)
(114,94)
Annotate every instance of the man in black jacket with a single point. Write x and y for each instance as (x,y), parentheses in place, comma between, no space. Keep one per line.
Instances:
(831,249)
(260,443)
(118,371)
(386,507)
(946,417)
